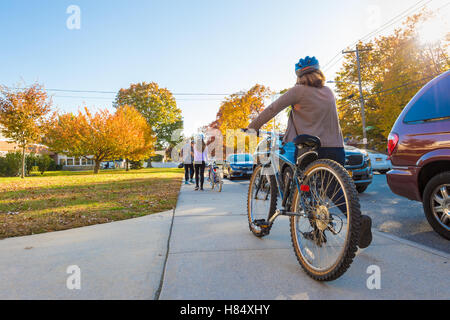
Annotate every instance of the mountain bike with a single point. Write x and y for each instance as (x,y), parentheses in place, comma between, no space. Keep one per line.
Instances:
(215,177)
(317,195)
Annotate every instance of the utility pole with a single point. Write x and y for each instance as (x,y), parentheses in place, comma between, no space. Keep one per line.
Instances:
(361,94)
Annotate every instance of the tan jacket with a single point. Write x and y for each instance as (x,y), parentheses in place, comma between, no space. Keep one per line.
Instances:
(317,115)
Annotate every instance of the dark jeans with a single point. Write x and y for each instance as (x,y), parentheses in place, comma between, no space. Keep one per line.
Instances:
(200,173)
(338,155)
(188,171)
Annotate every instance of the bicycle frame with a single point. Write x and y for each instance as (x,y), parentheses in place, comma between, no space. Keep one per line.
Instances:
(275,155)
(211,168)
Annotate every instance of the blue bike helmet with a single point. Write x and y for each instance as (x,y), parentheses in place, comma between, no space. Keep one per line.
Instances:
(307,65)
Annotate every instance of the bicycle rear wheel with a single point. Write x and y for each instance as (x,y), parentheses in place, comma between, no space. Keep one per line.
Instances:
(325,237)
(261,200)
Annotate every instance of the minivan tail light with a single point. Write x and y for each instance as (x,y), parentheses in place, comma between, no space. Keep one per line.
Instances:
(392,143)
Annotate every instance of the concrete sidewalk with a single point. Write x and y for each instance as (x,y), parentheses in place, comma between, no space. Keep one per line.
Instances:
(120,260)
(213,255)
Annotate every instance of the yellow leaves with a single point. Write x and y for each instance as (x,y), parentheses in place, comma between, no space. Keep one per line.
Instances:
(23,112)
(105,136)
(239,109)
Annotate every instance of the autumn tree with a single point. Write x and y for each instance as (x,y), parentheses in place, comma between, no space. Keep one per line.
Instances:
(138,143)
(102,136)
(158,106)
(23,116)
(238,110)
(392,72)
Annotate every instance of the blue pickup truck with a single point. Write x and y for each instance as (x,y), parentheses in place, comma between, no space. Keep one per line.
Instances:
(358,165)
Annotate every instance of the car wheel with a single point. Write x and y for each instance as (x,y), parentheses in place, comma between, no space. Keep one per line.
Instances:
(436,204)
(383,171)
(361,188)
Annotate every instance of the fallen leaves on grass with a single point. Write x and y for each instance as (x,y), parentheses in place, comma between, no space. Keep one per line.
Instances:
(59,202)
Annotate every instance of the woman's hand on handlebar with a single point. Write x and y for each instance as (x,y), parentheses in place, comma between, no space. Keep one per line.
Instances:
(247,130)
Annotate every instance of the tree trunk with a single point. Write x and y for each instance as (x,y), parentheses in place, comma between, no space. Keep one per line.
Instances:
(23,163)
(97,166)
(127,165)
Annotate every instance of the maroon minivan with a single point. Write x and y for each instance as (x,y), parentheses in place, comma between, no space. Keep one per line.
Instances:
(419,148)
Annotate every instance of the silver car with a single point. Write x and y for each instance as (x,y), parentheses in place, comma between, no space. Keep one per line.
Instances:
(380,161)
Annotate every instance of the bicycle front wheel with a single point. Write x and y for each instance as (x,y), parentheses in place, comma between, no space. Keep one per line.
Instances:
(326,232)
(261,200)
(211,179)
(218,183)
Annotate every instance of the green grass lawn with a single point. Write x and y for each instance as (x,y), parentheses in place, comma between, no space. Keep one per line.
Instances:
(66,200)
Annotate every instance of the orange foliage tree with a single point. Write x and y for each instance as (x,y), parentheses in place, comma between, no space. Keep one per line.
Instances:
(236,112)
(101,136)
(23,116)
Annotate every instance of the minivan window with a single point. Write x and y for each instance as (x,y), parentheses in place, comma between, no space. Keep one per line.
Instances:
(434,104)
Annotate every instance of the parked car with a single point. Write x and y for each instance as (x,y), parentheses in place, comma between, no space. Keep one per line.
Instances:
(358,165)
(380,161)
(419,148)
(238,165)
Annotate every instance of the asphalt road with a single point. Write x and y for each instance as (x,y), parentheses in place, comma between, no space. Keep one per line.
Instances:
(396,215)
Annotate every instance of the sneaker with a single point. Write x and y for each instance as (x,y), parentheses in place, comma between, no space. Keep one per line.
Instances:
(365,237)
(186,182)
(192,181)
(196,189)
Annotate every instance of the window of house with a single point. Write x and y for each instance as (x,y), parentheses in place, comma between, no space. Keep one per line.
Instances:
(70,161)
(62,162)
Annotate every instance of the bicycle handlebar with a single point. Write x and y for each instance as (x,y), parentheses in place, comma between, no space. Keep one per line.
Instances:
(260,132)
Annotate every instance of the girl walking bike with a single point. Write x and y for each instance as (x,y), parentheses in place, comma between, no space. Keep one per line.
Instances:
(200,159)
(305,169)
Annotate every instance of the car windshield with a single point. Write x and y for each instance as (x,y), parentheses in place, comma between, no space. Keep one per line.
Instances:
(240,158)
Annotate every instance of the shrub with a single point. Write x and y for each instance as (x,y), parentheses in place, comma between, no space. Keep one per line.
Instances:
(31,160)
(135,165)
(11,164)
(54,167)
(157,158)
(43,162)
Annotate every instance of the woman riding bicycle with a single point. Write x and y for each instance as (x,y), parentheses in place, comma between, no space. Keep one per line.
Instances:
(314,113)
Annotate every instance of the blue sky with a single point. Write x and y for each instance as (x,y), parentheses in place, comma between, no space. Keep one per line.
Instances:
(186,46)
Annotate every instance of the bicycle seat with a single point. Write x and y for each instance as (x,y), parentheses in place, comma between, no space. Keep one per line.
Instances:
(308,141)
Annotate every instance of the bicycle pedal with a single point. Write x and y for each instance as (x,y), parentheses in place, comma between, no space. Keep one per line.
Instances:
(263,224)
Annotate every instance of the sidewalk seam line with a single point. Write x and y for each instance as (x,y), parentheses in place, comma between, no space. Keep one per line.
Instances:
(161,282)
(413,244)
(250,250)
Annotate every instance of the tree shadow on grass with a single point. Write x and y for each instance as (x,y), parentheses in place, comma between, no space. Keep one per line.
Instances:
(66,207)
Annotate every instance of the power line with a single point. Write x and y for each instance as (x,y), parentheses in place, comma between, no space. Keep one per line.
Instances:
(106,98)
(343,108)
(115,92)
(394,20)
